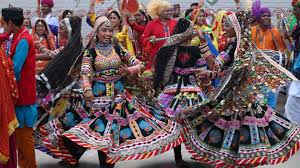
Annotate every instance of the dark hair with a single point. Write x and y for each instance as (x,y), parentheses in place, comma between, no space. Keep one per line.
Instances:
(194,4)
(145,15)
(16,21)
(118,15)
(46,28)
(65,13)
(42,21)
(165,53)
(58,68)
(187,12)
(27,18)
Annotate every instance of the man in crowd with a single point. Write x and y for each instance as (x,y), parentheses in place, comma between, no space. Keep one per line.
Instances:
(161,26)
(22,53)
(263,35)
(176,12)
(52,21)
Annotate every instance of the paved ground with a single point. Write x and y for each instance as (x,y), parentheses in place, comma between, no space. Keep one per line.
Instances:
(90,159)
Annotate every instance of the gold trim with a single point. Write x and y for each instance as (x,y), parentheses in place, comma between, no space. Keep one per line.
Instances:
(3,159)
(12,126)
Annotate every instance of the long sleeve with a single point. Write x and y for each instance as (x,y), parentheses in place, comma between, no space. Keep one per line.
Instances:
(86,71)
(138,28)
(147,33)
(281,46)
(20,57)
(3,36)
(135,65)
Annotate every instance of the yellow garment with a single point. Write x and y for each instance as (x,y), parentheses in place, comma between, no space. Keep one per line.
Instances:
(92,16)
(218,27)
(124,39)
(196,40)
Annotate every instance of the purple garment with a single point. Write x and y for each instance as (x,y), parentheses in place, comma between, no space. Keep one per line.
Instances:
(12,162)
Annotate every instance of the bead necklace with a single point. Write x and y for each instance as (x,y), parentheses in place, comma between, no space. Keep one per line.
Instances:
(105,49)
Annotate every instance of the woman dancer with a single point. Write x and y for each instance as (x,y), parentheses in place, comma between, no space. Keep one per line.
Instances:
(44,40)
(236,127)
(56,109)
(119,121)
(175,73)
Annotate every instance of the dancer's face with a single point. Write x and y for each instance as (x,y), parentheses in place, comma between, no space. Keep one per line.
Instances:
(63,31)
(201,19)
(105,33)
(115,20)
(27,23)
(228,29)
(139,17)
(40,28)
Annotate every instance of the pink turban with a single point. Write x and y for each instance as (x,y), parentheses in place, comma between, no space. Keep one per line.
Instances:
(50,3)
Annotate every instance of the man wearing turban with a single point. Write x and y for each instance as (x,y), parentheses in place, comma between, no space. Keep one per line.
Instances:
(52,21)
(264,36)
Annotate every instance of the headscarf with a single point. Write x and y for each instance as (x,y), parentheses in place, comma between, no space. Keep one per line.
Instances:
(50,3)
(49,34)
(218,27)
(99,21)
(155,7)
(166,56)
(258,10)
(67,24)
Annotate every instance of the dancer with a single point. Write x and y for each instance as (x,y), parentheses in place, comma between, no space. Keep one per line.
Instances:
(45,43)
(162,26)
(22,52)
(175,75)
(138,24)
(236,127)
(292,106)
(119,121)
(8,120)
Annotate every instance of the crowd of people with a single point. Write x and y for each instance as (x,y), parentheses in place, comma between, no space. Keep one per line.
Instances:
(149,80)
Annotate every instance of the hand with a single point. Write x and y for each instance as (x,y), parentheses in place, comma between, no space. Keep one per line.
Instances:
(52,54)
(152,39)
(124,71)
(201,36)
(89,96)
(38,44)
(131,20)
(201,3)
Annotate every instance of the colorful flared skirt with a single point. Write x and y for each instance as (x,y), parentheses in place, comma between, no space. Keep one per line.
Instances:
(126,129)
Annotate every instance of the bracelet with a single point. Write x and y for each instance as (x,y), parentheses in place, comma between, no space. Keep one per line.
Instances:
(207,84)
(203,46)
(87,89)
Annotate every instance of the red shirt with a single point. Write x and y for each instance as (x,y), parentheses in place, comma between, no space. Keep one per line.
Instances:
(157,29)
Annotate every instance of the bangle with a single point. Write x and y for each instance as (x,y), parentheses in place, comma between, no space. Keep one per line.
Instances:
(207,84)
(87,89)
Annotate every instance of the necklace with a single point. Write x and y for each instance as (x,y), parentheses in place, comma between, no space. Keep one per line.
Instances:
(105,49)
